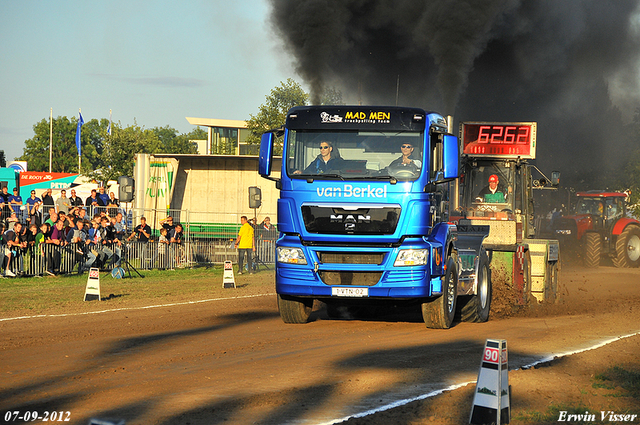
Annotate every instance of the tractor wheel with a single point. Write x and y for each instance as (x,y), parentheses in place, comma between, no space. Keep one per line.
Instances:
(293,309)
(592,250)
(477,307)
(628,248)
(440,312)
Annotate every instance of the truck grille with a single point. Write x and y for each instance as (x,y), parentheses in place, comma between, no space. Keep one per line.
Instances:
(365,220)
(350,258)
(350,278)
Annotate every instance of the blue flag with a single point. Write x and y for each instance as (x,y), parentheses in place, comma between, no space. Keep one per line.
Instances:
(78,131)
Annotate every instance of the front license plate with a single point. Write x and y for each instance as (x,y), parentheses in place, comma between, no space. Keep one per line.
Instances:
(349,292)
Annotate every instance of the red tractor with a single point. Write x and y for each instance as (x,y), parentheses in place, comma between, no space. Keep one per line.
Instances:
(600,227)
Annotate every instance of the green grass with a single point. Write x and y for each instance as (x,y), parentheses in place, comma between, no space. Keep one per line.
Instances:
(620,381)
(65,293)
(617,376)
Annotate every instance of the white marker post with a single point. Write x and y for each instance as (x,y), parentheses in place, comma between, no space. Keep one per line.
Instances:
(228,281)
(92,290)
(492,389)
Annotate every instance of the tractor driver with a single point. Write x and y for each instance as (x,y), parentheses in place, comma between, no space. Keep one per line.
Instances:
(494,192)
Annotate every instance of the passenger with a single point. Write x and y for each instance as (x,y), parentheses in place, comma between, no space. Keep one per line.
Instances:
(406,160)
(494,192)
(328,159)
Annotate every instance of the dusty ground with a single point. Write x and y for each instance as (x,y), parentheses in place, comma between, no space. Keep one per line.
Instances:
(234,361)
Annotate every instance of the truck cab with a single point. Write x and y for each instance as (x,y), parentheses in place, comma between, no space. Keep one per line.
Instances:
(363,212)
(512,198)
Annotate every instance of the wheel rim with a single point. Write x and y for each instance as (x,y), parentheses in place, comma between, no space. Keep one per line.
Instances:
(483,288)
(451,293)
(633,248)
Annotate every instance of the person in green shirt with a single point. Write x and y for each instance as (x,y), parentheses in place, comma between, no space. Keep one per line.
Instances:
(493,192)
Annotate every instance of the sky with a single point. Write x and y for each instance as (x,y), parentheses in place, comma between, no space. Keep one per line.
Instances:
(151,62)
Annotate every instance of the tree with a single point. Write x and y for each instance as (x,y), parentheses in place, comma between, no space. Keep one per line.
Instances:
(172,142)
(119,151)
(104,157)
(273,113)
(3,160)
(63,146)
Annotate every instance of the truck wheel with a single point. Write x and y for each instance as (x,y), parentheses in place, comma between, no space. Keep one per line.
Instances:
(477,307)
(628,248)
(294,310)
(592,250)
(439,313)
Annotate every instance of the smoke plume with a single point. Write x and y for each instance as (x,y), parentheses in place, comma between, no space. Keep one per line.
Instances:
(572,66)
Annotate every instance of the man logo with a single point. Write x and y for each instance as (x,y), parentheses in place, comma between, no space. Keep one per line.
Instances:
(350,221)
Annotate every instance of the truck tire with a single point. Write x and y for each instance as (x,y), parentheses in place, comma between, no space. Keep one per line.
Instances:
(477,307)
(293,309)
(628,248)
(592,250)
(439,313)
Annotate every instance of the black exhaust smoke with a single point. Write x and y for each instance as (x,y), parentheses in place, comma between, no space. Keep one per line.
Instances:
(571,66)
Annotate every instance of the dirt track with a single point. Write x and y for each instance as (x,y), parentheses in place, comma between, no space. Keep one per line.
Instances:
(234,361)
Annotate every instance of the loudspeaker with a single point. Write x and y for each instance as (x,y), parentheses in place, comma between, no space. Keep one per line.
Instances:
(125,191)
(255,197)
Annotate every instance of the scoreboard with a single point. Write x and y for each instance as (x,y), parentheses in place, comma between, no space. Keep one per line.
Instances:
(499,139)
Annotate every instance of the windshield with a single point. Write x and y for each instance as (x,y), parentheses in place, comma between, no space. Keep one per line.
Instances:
(489,189)
(354,155)
(594,206)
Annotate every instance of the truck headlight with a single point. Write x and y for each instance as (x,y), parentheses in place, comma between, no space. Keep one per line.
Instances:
(291,255)
(563,232)
(412,257)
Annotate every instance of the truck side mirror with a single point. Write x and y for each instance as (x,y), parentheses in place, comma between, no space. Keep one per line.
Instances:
(266,154)
(450,156)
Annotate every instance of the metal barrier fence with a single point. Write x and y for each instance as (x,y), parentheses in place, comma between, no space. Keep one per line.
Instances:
(208,238)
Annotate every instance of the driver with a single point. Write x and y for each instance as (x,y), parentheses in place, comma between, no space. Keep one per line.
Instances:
(494,192)
(405,160)
(328,159)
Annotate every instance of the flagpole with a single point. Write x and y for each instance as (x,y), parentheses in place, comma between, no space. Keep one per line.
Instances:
(79,156)
(50,138)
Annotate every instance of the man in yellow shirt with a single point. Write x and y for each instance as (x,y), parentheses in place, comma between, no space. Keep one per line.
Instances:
(245,245)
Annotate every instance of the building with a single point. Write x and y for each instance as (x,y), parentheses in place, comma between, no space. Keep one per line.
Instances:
(225,137)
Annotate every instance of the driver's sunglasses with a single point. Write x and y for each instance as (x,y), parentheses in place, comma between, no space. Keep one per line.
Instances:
(406,146)
(324,147)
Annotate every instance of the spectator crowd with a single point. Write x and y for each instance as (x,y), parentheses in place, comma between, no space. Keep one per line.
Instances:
(46,236)
(43,236)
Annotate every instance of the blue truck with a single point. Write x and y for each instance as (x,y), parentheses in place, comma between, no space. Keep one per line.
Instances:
(363,216)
